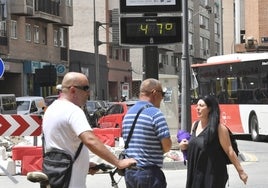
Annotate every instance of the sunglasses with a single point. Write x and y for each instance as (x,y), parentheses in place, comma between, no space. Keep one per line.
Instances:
(84,88)
(162,92)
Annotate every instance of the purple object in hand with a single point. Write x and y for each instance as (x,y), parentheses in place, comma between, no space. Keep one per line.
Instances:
(180,136)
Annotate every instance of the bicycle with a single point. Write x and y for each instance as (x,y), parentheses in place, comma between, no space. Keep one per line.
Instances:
(40,177)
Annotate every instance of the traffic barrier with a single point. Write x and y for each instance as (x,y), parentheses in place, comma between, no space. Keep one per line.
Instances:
(31,163)
(20,125)
(115,131)
(107,135)
(30,157)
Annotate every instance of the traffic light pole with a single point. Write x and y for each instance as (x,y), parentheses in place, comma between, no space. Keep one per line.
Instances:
(96,49)
(151,61)
(185,74)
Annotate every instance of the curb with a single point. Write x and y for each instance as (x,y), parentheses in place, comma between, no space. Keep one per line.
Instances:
(175,165)
(179,165)
(248,157)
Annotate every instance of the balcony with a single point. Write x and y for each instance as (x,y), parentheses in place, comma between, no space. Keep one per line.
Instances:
(49,11)
(22,7)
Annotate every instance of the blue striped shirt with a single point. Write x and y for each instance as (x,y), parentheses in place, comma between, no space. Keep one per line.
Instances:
(145,143)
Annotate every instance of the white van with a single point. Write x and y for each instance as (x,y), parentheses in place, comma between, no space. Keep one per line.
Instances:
(30,105)
(8,104)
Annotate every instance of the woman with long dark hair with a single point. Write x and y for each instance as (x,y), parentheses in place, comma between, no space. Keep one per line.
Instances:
(206,166)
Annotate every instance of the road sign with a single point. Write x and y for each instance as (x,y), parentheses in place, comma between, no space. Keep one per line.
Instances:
(150,30)
(61,69)
(2,68)
(150,6)
(20,125)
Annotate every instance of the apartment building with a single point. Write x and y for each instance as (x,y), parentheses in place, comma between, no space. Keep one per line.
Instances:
(106,63)
(34,45)
(251,34)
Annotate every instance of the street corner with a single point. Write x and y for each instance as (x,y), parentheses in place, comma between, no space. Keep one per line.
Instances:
(247,157)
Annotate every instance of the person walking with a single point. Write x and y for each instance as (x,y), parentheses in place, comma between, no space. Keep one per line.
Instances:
(65,126)
(150,138)
(210,140)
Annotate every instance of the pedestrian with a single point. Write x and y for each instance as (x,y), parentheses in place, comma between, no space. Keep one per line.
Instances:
(206,163)
(65,126)
(150,138)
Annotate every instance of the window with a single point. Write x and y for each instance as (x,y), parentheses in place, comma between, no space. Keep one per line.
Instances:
(190,39)
(69,3)
(204,46)
(44,35)
(190,15)
(217,28)
(36,34)
(63,37)
(125,53)
(13,31)
(28,32)
(56,43)
(3,29)
(164,59)
(203,22)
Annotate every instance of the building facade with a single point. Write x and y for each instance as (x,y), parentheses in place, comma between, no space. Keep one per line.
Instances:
(109,66)
(252,30)
(34,45)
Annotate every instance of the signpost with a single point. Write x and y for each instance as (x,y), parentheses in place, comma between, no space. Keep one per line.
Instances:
(148,29)
(149,6)
(2,68)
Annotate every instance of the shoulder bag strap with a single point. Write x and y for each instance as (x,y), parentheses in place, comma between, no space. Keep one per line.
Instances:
(195,126)
(78,151)
(133,125)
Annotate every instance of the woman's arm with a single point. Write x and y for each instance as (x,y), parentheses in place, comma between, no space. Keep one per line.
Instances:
(225,142)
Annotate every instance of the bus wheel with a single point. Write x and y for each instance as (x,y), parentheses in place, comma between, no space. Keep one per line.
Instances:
(254,126)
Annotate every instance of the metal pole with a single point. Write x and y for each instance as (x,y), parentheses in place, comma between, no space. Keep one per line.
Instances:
(185,73)
(96,46)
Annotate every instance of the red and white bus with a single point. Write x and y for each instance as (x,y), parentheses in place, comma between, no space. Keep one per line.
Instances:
(240,82)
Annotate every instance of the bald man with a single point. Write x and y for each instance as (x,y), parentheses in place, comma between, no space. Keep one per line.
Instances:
(65,126)
(150,138)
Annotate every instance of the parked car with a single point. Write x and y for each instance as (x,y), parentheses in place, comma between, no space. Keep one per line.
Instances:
(94,110)
(50,99)
(114,115)
(30,105)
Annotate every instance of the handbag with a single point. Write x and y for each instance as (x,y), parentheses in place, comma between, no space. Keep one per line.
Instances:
(57,165)
(122,155)
(234,146)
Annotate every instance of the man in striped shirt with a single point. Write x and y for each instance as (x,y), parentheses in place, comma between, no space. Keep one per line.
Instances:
(150,138)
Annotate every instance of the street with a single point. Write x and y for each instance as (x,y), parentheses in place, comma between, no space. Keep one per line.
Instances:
(255,165)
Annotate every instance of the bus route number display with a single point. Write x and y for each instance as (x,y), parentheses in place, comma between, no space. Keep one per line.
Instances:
(150,30)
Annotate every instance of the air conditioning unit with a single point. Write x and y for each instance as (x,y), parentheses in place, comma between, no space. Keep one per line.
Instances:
(202,26)
(250,42)
(191,47)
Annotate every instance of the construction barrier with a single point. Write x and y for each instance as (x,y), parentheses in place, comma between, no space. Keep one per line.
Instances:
(30,157)
(20,125)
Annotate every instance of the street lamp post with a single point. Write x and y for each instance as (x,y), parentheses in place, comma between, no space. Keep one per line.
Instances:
(96,47)
(185,73)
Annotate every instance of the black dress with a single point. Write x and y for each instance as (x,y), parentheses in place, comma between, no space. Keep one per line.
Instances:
(206,168)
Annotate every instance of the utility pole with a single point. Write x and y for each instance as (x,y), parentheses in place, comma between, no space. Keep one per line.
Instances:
(185,73)
(96,49)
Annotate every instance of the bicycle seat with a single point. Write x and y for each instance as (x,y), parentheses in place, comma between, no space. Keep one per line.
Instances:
(37,176)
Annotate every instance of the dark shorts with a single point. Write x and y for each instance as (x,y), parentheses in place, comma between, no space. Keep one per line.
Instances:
(147,177)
